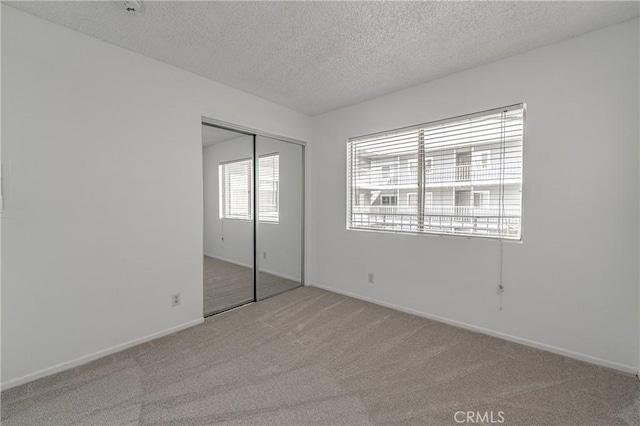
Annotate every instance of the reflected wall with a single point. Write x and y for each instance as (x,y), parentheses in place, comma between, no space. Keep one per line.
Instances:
(279,238)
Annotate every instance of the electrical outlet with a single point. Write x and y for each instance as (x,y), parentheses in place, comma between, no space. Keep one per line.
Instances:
(175,299)
(371,281)
(264,254)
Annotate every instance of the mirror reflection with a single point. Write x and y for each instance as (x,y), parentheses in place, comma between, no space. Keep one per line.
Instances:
(228,225)
(231,224)
(280,200)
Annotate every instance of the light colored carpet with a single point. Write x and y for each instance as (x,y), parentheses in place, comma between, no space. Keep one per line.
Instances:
(310,356)
(227,285)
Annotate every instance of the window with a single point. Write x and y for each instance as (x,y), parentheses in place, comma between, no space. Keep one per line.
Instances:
(460,176)
(463,166)
(481,199)
(428,164)
(235,183)
(481,158)
(235,189)
(412,199)
(389,200)
(428,199)
(412,163)
(268,182)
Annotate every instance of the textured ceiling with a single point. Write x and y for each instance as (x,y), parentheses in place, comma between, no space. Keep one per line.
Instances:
(319,56)
(214,135)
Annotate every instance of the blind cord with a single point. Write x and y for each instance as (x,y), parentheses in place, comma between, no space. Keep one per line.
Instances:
(500,286)
(503,137)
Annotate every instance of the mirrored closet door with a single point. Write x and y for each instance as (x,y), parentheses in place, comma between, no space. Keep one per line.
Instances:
(253,197)
(280,183)
(228,219)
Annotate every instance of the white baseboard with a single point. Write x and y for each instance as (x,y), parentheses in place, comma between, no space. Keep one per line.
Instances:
(235,262)
(279,275)
(92,357)
(549,348)
(275,274)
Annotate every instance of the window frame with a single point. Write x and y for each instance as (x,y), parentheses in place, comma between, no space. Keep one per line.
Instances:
(490,157)
(277,192)
(222,192)
(486,198)
(222,189)
(389,198)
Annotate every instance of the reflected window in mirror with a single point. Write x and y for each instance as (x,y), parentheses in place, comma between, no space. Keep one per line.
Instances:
(236,199)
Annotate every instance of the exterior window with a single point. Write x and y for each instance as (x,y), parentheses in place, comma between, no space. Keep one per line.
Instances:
(235,183)
(463,198)
(389,200)
(428,164)
(428,199)
(268,187)
(481,198)
(413,170)
(463,166)
(235,189)
(484,159)
(459,176)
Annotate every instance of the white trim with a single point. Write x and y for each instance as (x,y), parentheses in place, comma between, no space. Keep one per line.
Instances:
(279,275)
(275,274)
(229,260)
(212,122)
(96,355)
(549,348)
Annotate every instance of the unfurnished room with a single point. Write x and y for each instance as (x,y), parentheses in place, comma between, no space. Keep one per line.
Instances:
(320,213)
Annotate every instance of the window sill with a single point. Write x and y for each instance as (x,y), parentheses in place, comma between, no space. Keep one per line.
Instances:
(435,234)
(250,220)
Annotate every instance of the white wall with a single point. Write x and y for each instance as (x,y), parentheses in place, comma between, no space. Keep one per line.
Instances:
(572,285)
(103,198)
(237,246)
(103,193)
(281,241)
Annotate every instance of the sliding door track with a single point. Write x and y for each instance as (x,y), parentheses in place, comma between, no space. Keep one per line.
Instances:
(240,305)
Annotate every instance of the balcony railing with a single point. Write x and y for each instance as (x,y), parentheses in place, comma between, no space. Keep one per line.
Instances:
(472,173)
(469,220)
(466,211)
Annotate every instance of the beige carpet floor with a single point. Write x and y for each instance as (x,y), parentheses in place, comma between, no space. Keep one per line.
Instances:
(227,285)
(311,357)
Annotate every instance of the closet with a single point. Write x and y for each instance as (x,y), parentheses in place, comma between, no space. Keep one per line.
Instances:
(253,198)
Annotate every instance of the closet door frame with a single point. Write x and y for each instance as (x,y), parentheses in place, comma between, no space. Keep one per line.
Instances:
(206,121)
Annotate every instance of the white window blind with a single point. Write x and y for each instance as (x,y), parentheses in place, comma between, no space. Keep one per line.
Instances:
(268,184)
(235,183)
(461,176)
(235,189)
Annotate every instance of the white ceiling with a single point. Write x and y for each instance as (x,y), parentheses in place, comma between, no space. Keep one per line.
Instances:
(215,135)
(318,56)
